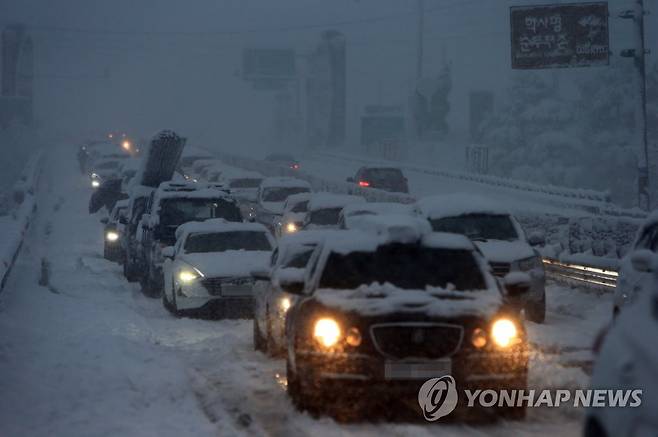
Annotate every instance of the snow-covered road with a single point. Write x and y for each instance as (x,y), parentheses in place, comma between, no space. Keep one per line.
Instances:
(89,355)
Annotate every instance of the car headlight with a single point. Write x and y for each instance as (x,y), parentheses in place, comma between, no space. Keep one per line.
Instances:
(504,332)
(291,228)
(530,263)
(188,275)
(95,183)
(112,236)
(284,304)
(326,332)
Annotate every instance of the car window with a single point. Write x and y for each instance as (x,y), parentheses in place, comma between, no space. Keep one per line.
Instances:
(406,266)
(279,194)
(225,241)
(478,226)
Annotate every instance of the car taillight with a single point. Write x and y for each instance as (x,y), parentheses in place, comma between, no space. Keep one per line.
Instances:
(364,183)
(295,166)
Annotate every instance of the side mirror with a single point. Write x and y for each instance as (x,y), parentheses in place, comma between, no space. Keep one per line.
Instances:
(168,252)
(516,283)
(537,238)
(105,220)
(643,260)
(350,180)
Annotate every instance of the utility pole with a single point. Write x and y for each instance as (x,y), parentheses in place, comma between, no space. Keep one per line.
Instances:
(638,54)
(420,39)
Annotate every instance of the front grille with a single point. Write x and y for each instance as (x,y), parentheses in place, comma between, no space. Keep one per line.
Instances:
(228,287)
(417,340)
(500,269)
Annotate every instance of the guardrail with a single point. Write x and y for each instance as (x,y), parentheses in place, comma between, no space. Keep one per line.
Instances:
(590,201)
(571,270)
(581,275)
(13,226)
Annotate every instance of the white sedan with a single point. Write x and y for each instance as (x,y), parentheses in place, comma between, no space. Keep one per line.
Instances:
(208,271)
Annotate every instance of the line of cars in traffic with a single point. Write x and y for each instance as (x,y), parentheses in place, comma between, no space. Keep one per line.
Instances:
(361,298)
(365,300)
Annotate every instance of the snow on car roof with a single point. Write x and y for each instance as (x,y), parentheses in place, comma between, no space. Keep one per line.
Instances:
(445,240)
(393,227)
(331,200)
(452,205)
(306,237)
(217,226)
(283,182)
(204,192)
(377,208)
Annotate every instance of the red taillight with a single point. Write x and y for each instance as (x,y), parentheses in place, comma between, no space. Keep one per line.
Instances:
(364,184)
(295,166)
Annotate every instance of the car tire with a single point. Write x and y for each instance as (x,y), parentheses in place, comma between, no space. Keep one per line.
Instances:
(170,306)
(259,341)
(536,311)
(129,270)
(298,389)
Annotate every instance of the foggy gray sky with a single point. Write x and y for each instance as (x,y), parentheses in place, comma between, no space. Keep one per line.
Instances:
(105,65)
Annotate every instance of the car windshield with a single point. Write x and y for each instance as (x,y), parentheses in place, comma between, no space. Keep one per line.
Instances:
(279,194)
(245,183)
(175,212)
(384,174)
(405,266)
(300,207)
(299,258)
(327,216)
(223,241)
(478,226)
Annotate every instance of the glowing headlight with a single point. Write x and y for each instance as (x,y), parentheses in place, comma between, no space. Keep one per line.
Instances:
(504,332)
(291,227)
(126,145)
(284,304)
(95,183)
(187,276)
(326,332)
(530,263)
(112,236)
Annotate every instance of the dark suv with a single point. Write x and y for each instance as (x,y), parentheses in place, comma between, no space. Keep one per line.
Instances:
(382,178)
(378,317)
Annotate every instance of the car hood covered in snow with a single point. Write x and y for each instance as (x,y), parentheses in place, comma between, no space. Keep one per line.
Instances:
(505,251)
(380,299)
(232,263)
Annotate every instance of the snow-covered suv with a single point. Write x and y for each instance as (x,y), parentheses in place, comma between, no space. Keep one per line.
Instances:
(499,237)
(378,315)
(172,205)
(631,281)
(324,209)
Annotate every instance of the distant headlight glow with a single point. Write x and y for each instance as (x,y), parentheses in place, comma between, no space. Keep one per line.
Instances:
(284,304)
(112,236)
(291,228)
(187,276)
(95,183)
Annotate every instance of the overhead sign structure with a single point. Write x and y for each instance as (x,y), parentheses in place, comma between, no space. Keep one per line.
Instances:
(268,69)
(560,36)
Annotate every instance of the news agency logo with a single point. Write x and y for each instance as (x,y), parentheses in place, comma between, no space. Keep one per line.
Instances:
(438,397)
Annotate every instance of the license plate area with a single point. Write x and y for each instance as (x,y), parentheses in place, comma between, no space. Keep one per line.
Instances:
(396,370)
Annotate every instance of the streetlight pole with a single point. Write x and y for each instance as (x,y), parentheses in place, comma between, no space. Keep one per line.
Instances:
(420,39)
(639,54)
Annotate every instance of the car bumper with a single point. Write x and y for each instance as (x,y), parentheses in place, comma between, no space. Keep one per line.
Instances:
(475,370)
(225,307)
